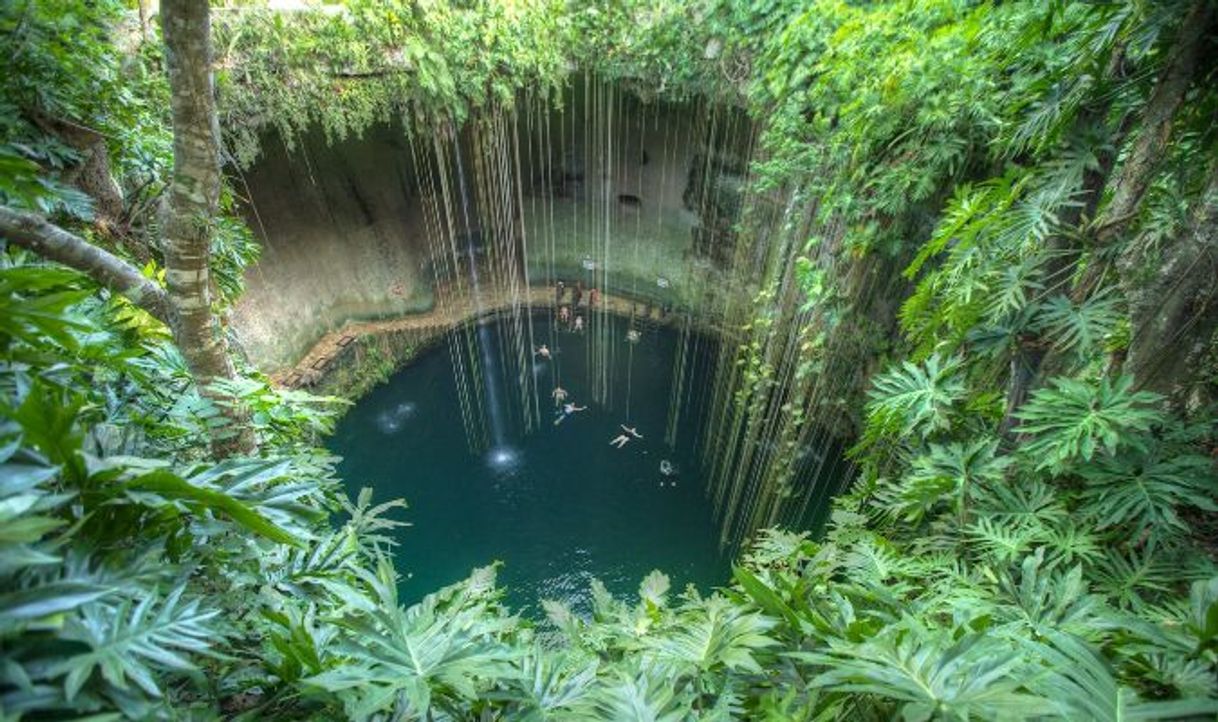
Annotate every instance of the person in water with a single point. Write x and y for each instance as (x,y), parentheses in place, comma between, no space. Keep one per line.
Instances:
(669,471)
(624,438)
(567,410)
(579,324)
(633,335)
(559,394)
(564,314)
(543,352)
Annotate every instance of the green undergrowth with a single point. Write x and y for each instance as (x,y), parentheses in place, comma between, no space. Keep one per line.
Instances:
(1015,546)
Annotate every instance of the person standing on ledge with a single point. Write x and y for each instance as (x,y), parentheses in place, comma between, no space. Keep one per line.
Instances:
(594,297)
(624,438)
(560,290)
(577,294)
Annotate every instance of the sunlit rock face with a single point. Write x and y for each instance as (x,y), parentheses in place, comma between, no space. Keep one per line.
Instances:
(342,237)
(599,181)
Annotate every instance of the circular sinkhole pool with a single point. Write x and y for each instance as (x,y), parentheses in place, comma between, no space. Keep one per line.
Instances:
(558,504)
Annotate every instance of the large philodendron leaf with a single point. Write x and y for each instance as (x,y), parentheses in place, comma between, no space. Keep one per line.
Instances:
(1142,492)
(715,635)
(1072,420)
(439,652)
(134,642)
(198,497)
(642,694)
(929,673)
(553,684)
(1078,328)
(915,399)
(1082,687)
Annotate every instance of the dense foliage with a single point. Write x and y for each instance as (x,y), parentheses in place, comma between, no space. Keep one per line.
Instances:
(1022,539)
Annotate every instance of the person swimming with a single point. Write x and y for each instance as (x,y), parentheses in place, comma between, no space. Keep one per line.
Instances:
(543,351)
(579,324)
(567,410)
(624,438)
(564,314)
(559,394)
(633,335)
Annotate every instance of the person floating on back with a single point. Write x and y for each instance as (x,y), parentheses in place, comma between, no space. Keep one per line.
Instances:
(559,394)
(567,410)
(624,438)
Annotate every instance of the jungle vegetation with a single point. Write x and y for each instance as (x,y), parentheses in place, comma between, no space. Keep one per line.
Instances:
(1004,223)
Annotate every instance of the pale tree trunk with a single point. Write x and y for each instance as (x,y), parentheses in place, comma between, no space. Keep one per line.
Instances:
(193,202)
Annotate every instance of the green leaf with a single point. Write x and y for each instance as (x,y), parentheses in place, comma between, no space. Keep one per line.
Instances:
(174,487)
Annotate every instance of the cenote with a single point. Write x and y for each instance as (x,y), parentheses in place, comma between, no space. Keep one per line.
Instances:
(558,506)
(634,206)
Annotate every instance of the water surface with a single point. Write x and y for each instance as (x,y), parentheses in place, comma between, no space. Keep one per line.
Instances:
(558,506)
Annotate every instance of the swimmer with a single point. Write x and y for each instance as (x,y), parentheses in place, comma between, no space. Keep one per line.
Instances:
(559,394)
(543,352)
(579,324)
(567,410)
(667,468)
(622,439)
(633,335)
(564,314)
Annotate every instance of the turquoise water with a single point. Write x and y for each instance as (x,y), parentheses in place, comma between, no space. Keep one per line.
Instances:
(559,506)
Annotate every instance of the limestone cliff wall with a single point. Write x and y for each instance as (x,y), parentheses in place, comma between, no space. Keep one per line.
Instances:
(344,235)
(342,238)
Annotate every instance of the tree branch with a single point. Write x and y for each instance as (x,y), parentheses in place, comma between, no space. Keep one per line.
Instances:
(54,243)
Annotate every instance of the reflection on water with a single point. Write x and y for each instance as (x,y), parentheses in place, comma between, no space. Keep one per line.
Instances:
(391,421)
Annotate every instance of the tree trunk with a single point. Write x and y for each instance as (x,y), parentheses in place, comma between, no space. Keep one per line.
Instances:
(92,174)
(1139,167)
(1128,185)
(50,241)
(193,202)
(1175,322)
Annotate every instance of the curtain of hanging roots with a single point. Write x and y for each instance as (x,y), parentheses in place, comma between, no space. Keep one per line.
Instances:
(773,370)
